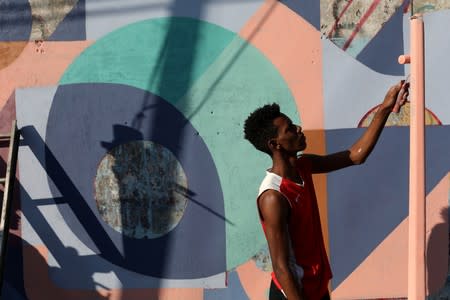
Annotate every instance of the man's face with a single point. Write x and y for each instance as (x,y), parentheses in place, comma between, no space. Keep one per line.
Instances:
(290,136)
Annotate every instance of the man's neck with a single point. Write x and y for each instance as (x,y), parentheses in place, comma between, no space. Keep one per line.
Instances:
(284,166)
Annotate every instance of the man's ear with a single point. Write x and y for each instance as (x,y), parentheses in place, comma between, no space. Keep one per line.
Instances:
(273,145)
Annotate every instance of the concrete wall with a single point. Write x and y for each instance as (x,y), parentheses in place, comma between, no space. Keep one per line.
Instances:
(135,181)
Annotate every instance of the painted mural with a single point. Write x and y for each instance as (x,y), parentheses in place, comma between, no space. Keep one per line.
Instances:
(135,181)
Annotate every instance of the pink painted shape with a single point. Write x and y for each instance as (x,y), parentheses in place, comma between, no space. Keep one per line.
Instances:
(7,115)
(293,46)
(384,272)
(39,65)
(254,281)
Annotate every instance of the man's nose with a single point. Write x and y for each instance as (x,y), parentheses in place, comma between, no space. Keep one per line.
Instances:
(299,129)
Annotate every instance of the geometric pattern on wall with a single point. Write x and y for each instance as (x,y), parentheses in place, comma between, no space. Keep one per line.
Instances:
(220,72)
(373,198)
(194,66)
(127,118)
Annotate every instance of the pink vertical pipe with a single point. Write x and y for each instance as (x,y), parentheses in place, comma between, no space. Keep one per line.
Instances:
(416,247)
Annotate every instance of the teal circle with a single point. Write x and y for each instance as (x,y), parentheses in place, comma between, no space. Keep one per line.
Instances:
(215,79)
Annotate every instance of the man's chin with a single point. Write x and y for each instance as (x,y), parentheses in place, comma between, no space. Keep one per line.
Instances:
(302,147)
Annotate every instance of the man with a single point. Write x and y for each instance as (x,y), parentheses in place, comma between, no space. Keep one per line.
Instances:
(287,202)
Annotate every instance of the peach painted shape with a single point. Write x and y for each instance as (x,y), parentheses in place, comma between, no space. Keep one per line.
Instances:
(254,281)
(294,47)
(39,65)
(384,272)
(316,144)
(416,249)
(38,284)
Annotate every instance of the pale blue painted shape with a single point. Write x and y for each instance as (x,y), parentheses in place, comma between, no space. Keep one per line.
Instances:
(351,89)
(103,17)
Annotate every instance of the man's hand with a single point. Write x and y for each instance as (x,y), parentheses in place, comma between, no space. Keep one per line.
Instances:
(396,97)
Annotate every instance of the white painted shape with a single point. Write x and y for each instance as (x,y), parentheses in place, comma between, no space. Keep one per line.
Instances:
(33,107)
(103,17)
(437,61)
(350,88)
(31,237)
(406,43)
(35,183)
(66,231)
(437,64)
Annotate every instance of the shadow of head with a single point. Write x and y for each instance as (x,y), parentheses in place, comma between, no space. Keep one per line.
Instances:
(122,134)
(438,253)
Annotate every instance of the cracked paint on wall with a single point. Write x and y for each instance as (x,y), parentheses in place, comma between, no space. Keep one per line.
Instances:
(47,15)
(140,189)
(402,118)
(352,24)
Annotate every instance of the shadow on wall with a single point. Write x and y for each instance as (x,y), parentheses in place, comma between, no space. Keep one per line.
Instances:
(437,248)
(162,205)
(68,259)
(3,144)
(34,280)
(22,283)
(12,273)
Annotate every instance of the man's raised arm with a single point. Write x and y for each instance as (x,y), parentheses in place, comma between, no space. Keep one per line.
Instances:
(359,151)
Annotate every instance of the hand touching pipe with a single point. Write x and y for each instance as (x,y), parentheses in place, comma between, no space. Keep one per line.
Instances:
(396,96)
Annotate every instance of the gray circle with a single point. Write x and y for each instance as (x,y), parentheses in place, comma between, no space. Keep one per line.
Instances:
(140,189)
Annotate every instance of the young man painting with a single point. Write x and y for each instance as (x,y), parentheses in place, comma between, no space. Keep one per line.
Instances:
(287,202)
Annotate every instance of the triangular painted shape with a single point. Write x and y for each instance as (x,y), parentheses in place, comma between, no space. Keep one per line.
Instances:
(307,9)
(368,202)
(382,52)
(384,272)
(73,26)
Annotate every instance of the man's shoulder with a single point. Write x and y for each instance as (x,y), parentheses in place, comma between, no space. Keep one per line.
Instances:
(305,158)
(304,161)
(271,195)
(271,181)
(272,200)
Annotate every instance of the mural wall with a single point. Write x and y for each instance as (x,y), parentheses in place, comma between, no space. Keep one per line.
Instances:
(135,181)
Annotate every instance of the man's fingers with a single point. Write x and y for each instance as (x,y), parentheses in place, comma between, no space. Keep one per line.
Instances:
(401,93)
